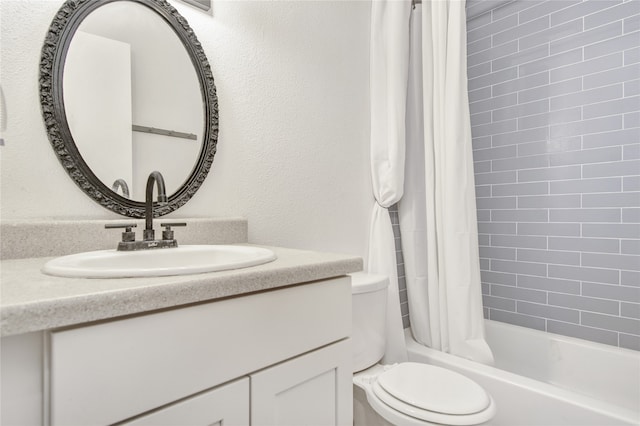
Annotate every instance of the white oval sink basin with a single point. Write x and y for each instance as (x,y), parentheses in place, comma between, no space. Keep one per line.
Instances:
(182,260)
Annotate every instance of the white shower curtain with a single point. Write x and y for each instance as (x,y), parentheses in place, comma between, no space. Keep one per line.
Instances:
(438,212)
(388,80)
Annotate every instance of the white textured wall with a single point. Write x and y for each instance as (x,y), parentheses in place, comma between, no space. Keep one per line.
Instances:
(292,79)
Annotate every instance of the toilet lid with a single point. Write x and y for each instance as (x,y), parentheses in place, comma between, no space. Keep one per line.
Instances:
(398,412)
(434,389)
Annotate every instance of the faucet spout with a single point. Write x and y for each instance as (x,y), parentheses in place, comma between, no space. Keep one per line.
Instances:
(157,179)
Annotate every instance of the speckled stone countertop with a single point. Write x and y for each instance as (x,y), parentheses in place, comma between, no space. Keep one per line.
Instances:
(32,301)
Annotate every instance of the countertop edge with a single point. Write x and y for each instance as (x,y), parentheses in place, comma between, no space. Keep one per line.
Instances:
(291,267)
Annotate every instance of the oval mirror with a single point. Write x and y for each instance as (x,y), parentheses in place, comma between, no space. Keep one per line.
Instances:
(126,89)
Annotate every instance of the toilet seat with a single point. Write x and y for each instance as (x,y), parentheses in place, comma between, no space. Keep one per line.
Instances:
(418,394)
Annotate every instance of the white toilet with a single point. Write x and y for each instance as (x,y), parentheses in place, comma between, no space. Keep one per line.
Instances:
(407,393)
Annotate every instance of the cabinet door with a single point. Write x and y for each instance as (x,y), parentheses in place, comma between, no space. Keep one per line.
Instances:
(312,389)
(226,405)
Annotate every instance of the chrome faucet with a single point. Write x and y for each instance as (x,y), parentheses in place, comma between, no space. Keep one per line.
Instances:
(149,241)
(154,177)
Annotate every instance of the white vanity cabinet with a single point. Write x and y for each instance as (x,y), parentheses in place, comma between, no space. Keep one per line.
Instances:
(308,390)
(274,357)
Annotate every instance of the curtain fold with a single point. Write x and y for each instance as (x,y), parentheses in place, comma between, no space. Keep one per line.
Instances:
(388,87)
(438,212)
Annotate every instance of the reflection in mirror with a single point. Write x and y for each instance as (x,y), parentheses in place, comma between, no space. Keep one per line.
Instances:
(202,4)
(126,69)
(121,185)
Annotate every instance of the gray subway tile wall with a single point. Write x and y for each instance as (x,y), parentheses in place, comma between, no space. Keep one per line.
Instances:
(555,120)
(402,284)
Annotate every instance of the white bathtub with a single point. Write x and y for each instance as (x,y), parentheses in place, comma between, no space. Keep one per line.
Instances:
(543,379)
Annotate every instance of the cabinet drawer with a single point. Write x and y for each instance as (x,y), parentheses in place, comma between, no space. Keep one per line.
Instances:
(108,372)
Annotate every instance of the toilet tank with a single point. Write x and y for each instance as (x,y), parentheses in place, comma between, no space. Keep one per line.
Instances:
(369,303)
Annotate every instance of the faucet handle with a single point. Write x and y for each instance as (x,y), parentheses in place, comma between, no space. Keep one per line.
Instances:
(167,234)
(128,235)
(170,224)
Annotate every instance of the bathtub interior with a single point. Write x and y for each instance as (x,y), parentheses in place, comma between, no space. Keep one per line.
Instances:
(601,371)
(525,401)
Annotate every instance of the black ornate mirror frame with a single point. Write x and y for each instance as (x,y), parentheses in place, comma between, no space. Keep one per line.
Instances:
(54,52)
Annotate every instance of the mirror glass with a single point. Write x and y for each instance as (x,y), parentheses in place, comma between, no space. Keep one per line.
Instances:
(126,71)
(126,89)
